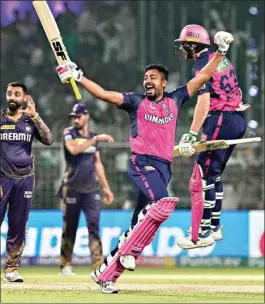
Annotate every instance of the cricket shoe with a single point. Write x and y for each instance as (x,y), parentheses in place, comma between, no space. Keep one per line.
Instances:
(205,239)
(13,276)
(67,271)
(128,262)
(108,287)
(217,233)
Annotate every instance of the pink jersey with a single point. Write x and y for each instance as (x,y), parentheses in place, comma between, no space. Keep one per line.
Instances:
(223,87)
(153,124)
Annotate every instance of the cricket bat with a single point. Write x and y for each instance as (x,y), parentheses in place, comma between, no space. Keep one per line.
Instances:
(53,34)
(217,144)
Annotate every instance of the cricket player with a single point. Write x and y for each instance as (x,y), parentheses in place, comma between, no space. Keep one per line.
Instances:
(153,124)
(79,189)
(219,111)
(19,125)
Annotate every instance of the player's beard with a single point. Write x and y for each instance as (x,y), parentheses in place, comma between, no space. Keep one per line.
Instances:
(78,126)
(13,105)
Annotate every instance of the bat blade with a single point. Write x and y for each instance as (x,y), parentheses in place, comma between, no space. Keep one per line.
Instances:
(217,144)
(55,39)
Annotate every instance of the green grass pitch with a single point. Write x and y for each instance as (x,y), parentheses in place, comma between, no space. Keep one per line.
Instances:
(144,285)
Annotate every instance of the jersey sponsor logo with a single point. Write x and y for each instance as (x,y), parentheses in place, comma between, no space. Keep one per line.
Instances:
(8,127)
(28,194)
(80,141)
(224,64)
(149,168)
(70,200)
(158,120)
(192,34)
(15,137)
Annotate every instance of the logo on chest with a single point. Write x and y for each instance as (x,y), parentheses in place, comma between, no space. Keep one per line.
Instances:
(27,127)
(159,120)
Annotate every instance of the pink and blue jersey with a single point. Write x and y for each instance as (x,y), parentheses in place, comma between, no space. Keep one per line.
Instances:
(153,124)
(225,94)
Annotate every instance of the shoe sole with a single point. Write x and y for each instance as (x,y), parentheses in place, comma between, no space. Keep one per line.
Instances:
(195,246)
(16,281)
(110,292)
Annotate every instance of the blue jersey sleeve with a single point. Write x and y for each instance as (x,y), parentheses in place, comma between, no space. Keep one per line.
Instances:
(180,95)
(131,102)
(207,87)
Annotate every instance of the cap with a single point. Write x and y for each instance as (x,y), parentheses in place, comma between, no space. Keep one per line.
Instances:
(78,109)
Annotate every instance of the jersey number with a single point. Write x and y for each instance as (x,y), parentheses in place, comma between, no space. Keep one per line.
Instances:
(224,81)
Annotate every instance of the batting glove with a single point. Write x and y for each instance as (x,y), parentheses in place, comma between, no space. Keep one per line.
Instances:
(68,71)
(186,143)
(223,40)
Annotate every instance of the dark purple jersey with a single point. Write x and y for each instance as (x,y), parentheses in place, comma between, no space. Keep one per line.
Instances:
(16,160)
(80,173)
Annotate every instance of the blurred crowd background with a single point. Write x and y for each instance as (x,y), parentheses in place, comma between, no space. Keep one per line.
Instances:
(113,41)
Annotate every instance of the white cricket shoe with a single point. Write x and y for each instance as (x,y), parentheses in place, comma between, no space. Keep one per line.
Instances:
(128,262)
(217,233)
(67,271)
(13,276)
(205,240)
(108,287)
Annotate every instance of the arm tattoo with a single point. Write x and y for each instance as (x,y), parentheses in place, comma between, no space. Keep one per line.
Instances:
(45,135)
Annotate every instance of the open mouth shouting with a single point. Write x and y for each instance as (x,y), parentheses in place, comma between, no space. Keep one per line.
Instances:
(149,87)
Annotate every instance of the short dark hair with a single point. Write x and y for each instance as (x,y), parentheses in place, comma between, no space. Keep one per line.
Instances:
(160,67)
(19,85)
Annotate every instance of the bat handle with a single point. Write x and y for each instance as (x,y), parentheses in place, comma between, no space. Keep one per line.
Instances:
(75,88)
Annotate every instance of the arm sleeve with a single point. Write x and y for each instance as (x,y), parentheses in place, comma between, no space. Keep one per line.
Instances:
(207,87)
(180,95)
(67,135)
(131,102)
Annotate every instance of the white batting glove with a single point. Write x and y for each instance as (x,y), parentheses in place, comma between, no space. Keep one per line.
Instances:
(223,40)
(68,71)
(186,143)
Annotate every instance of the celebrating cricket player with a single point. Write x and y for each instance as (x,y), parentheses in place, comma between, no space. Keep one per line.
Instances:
(19,124)
(153,124)
(219,111)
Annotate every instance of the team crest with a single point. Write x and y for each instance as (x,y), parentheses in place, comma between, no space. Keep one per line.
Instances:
(27,127)
(165,108)
(152,106)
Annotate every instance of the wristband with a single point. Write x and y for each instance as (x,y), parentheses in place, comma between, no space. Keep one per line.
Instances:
(193,133)
(221,52)
(33,118)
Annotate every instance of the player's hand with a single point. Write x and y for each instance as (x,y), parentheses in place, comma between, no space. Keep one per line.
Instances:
(68,71)
(186,143)
(104,137)
(109,196)
(223,40)
(30,109)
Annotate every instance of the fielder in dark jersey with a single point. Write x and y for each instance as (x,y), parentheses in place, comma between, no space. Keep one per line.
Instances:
(80,188)
(18,128)
(219,111)
(153,118)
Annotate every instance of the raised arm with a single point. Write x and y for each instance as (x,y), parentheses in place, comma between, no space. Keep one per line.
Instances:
(44,134)
(69,70)
(222,39)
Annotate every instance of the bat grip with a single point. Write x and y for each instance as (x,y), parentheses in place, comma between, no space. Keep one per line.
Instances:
(75,89)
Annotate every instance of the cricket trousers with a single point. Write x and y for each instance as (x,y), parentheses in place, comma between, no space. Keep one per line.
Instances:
(17,198)
(218,125)
(89,203)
